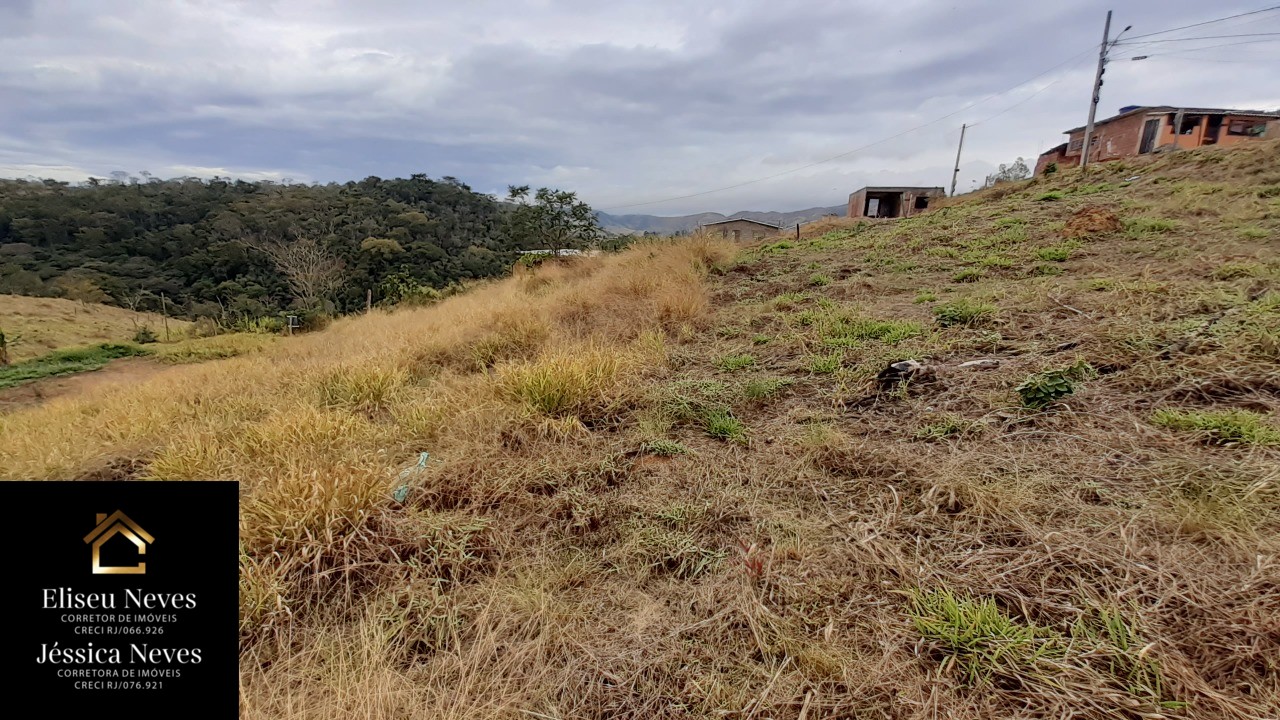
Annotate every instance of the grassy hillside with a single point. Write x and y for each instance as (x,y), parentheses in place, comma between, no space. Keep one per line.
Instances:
(679,482)
(36,326)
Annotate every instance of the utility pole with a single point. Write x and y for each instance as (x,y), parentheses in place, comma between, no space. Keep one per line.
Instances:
(956,173)
(1097,91)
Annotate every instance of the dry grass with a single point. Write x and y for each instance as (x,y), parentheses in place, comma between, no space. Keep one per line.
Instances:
(623,517)
(35,326)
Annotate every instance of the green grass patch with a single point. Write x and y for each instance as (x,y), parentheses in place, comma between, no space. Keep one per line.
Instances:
(730,363)
(963,312)
(805,318)
(966,275)
(1233,271)
(1054,253)
(819,280)
(1221,427)
(1138,227)
(66,362)
(1092,189)
(665,448)
(997,261)
(975,639)
(1051,196)
(825,364)
(1045,270)
(944,427)
(978,640)
(764,388)
(786,301)
(846,332)
(925,296)
(720,424)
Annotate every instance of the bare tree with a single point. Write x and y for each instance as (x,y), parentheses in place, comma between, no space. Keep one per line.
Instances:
(309,268)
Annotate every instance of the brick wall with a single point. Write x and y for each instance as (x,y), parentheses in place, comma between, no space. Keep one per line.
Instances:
(1118,138)
(1058,156)
(1123,138)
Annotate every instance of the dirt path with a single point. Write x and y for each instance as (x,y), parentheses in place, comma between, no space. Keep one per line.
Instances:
(39,391)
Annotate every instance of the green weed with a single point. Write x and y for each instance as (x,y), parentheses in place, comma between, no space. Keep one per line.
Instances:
(1044,389)
(1221,427)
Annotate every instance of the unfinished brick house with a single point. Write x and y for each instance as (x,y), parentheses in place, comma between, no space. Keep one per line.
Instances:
(891,202)
(741,229)
(1140,129)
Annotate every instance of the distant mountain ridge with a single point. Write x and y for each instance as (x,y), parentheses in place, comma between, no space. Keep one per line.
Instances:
(631,224)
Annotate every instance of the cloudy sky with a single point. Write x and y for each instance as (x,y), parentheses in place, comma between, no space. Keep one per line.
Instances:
(624,102)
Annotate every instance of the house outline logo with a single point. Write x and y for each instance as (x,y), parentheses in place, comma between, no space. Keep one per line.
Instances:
(117,523)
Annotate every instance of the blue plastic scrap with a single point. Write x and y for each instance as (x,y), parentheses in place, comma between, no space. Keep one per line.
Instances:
(407,475)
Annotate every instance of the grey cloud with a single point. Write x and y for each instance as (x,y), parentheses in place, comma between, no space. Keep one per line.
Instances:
(622,102)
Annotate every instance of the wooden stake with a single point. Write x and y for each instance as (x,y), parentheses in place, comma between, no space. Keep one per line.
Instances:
(164,312)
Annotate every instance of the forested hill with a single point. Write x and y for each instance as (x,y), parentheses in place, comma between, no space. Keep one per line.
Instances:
(127,243)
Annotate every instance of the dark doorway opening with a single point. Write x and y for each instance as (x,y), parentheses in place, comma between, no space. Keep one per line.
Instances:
(922,202)
(885,205)
(1149,132)
(1212,129)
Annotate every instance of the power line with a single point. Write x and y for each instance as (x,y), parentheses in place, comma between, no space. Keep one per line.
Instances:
(1206,22)
(1193,39)
(860,148)
(1020,102)
(1183,51)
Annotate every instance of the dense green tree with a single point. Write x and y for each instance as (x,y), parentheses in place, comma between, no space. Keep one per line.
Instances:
(137,239)
(553,220)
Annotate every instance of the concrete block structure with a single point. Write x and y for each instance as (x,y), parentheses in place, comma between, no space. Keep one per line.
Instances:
(741,229)
(891,202)
(1141,129)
